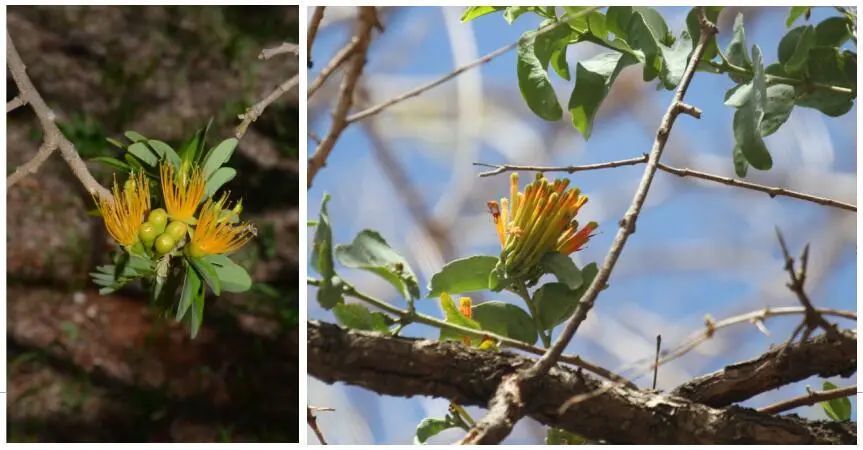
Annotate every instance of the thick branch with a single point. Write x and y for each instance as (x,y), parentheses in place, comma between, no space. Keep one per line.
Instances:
(772,191)
(53,137)
(407,367)
(778,367)
(366,21)
(314,24)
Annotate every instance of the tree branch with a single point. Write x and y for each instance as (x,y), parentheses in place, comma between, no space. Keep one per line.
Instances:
(681,172)
(338,59)
(286,47)
(627,227)
(406,367)
(811,398)
(13,104)
(735,383)
(409,317)
(314,24)
(253,112)
(366,21)
(53,137)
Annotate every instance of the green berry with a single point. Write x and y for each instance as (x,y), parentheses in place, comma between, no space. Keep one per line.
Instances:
(195,250)
(159,218)
(164,243)
(148,233)
(176,230)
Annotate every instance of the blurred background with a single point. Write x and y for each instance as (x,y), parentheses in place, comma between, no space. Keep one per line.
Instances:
(701,247)
(86,367)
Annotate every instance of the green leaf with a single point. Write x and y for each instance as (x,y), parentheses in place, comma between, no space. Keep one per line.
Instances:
(112,162)
(453,316)
(329,292)
(694,28)
(593,80)
(208,273)
(795,12)
(191,286)
(833,32)
(737,96)
(472,12)
(829,66)
(617,20)
(780,102)
(794,48)
(218,179)
(116,143)
(165,152)
(563,268)
(369,251)
(140,150)
(463,275)
(736,52)
(506,320)
(359,317)
(747,119)
(555,302)
(557,436)
(430,427)
(534,53)
(232,276)
(646,32)
(219,155)
(676,57)
(511,13)
(740,163)
(134,136)
(197,313)
(838,409)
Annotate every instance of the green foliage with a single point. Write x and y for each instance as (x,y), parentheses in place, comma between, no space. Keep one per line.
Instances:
(369,251)
(359,317)
(430,427)
(813,69)
(463,275)
(329,292)
(555,302)
(505,319)
(563,268)
(838,409)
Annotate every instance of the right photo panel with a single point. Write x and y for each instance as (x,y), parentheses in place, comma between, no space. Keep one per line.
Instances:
(581,225)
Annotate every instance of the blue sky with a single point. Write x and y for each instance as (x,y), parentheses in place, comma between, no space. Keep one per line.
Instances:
(699,248)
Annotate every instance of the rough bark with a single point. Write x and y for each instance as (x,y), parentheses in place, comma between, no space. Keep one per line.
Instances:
(408,367)
(780,366)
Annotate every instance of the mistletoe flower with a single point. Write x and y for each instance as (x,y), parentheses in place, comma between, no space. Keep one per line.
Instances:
(215,234)
(538,221)
(182,191)
(124,215)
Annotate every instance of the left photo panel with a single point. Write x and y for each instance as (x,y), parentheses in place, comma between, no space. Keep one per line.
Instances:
(152,223)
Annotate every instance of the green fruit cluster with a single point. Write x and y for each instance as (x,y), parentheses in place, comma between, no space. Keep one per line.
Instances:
(158,234)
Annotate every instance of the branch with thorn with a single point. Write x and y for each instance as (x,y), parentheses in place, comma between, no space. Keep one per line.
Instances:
(312,420)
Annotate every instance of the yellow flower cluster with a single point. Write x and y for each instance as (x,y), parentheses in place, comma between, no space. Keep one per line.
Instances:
(537,221)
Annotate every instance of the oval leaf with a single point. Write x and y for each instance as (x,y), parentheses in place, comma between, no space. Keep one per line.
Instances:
(219,155)
(563,268)
(533,57)
(218,179)
(463,275)
(232,276)
(506,320)
(359,317)
(143,153)
(369,251)
(555,302)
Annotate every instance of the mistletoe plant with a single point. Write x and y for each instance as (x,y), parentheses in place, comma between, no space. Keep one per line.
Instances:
(537,230)
(816,65)
(174,233)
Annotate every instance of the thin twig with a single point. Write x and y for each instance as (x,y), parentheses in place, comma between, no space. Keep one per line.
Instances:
(312,420)
(682,172)
(491,429)
(53,137)
(11,105)
(287,47)
(458,71)
(405,317)
(255,111)
(656,359)
(314,24)
(340,57)
(366,21)
(812,319)
(811,398)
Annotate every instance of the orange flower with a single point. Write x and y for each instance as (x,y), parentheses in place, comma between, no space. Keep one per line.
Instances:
(214,234)
(124,214)
(539,220)
(182,191)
